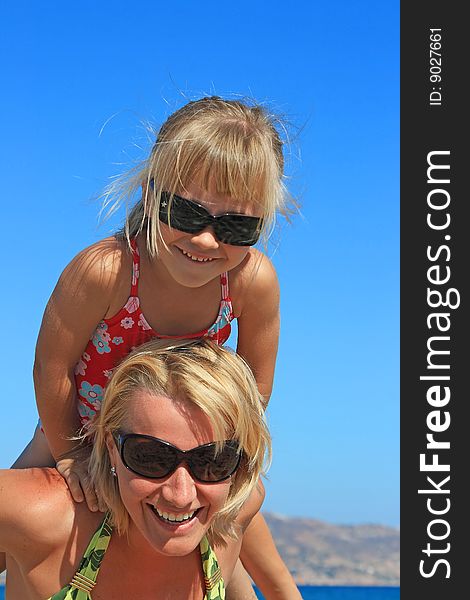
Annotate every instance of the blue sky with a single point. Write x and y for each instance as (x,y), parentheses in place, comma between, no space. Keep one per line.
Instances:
(80,81)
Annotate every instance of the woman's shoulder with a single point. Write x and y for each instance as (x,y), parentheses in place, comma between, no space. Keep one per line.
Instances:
(33,494)
(41,527)
(31,499)
(38,517)
(17,484)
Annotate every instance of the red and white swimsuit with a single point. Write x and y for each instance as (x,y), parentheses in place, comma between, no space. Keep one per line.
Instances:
(115,337)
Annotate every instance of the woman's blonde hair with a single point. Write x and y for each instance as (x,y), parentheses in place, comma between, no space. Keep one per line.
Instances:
(228,146)
(214,379)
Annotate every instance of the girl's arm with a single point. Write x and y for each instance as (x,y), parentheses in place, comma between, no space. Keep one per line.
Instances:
(263,562)
(79,301)
(260,558)
(258,336)
(240,586)
(258,321)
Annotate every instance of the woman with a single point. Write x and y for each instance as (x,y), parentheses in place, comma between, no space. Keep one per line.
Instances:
(178,448)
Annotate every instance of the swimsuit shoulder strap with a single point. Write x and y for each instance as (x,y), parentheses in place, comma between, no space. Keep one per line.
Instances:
(215,588)
(135,268)
(224,287)
(85,578)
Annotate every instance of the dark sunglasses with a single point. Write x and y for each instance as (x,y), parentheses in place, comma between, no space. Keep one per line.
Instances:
(152,458)
(190,217)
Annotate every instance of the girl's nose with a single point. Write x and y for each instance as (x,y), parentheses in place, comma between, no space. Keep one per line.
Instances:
(205,239)
(179,489)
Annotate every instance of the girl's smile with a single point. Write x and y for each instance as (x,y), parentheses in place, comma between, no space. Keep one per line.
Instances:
(194,259)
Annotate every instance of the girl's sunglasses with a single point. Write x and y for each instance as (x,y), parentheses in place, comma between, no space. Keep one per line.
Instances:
(190,217)
(152,458)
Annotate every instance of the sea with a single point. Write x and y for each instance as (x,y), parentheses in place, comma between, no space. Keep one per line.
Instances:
(310,592)
(313,592)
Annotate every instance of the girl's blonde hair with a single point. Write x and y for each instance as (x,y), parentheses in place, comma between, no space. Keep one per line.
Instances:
(208,376)
(228,146)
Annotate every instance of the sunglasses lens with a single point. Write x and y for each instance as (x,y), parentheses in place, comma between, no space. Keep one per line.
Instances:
(238,230)
(209,465)
(184,215)
(148,457)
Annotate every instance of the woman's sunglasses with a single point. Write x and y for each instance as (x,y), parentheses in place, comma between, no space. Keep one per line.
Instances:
(190,217)
(152,458)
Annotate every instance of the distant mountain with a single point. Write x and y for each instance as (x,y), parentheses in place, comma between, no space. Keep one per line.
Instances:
(319,553)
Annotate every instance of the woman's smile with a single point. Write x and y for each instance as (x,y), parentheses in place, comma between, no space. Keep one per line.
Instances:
(175,522)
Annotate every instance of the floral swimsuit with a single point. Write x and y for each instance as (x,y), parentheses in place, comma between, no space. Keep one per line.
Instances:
(115,337)
(84,579)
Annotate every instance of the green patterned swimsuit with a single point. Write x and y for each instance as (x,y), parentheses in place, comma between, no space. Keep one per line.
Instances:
(84,579)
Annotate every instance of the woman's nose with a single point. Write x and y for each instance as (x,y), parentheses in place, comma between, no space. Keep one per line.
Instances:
(179,489)
(205,239)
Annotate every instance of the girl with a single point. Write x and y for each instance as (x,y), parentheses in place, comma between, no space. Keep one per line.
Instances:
(183,266)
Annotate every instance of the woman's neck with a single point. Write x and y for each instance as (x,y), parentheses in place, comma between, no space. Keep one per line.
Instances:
(148,571)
